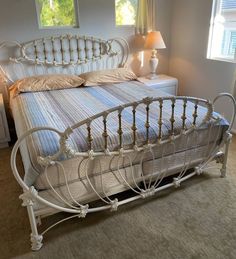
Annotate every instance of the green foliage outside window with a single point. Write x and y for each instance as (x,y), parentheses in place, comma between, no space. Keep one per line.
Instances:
(57,13)
(126,12)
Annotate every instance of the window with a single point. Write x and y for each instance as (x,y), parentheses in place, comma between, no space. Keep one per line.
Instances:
(126,11)
(222,39)
(57,13)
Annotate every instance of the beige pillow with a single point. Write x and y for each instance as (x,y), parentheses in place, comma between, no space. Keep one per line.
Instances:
(47,82)
(109,76)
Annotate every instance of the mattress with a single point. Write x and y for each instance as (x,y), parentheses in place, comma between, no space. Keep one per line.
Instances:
(113,183)
(63,108)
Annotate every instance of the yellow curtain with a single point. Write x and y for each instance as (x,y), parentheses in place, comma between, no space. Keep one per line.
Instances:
(145,18)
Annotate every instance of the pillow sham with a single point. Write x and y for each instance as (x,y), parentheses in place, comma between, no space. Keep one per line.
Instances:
(108,76)
(47,82)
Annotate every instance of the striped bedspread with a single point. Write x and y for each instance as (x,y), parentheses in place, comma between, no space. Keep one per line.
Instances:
(63,108)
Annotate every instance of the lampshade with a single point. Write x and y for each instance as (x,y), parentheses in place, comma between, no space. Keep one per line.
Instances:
(154,40)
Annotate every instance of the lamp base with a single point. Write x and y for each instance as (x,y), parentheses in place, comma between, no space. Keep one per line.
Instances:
(152,76)
(153,63)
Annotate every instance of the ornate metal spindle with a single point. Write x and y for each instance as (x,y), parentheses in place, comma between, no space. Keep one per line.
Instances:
(105,135)
(85,48)
(172,119)
(44,51)
(53,49)
(89,138)
(62,55)
(35,50)
(70,49)
(78,48)
(100,47)
(160,119)
(134,128)
(184,114)
(120,131)
(195,113)
(147,124)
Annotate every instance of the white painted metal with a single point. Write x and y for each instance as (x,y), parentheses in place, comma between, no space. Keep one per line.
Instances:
(144,185)
(31,196)
(70,54)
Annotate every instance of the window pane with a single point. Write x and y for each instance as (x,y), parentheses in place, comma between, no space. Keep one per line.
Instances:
(228,44)
(228,4)
(126,11)
(57,13)
(223,38)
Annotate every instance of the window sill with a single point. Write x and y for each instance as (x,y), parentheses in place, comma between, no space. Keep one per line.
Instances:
(58,27)
(233,61)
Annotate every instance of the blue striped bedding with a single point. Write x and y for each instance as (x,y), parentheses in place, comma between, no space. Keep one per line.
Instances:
(63,108)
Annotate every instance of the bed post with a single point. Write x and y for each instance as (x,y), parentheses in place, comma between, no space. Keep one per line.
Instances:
(227,136)
(35,238)
(227,140)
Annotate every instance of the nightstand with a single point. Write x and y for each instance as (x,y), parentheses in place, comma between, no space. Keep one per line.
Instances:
(4,131)
(165,83)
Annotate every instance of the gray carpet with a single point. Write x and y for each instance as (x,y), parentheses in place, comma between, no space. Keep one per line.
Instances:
(197,220)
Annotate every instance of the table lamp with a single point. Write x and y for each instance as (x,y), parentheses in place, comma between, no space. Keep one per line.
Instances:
(154,41)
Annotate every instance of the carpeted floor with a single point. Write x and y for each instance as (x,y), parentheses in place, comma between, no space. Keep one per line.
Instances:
(197,220)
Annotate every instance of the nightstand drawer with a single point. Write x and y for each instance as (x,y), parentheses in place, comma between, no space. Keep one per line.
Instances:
(2,130)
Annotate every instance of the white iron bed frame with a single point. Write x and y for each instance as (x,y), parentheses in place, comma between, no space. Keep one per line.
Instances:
(77,54)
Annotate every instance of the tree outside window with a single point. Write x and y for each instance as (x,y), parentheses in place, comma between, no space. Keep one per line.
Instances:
(126,12)
(57,13)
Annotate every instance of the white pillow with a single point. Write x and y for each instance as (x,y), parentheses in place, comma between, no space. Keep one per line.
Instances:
(108,76)
(47,82)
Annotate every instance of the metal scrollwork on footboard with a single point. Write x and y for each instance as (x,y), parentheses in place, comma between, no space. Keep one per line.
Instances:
(134,154)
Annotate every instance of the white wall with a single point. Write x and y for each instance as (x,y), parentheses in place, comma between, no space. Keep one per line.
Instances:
(97,18)
(197,75)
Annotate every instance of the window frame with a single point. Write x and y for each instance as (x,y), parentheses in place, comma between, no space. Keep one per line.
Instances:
(123,25)
(215,10)
(76,12)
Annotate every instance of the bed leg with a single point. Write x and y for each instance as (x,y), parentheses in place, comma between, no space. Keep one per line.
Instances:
(28,201)
(35,238)
(228,138)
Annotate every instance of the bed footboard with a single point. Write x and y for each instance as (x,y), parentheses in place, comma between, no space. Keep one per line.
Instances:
(123,153)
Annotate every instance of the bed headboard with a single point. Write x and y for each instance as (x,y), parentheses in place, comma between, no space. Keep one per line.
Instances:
(72,54)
